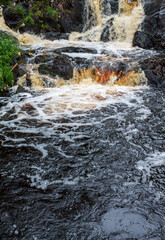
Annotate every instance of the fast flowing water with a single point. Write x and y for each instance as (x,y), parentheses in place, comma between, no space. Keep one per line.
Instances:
(83,160)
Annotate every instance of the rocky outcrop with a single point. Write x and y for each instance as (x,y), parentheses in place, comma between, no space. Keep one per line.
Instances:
(154,69)
(152,34)
(50,18)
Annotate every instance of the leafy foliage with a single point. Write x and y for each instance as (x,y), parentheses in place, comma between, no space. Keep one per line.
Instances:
(51,12)
(8,50)
(29,20)
(5,2)
(20,10)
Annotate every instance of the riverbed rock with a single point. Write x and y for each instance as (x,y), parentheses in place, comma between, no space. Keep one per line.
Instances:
(154,69)
(60,66)
(105,36)
(143,40)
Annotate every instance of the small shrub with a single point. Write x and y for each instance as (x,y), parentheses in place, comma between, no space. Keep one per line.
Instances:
(51,12)
(45,26)
(29,20)
(20,10)
(5,2)
(8,50)
(38,14)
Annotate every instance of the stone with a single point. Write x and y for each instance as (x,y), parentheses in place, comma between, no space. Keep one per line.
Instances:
(12,19)
(60,66)
(152,27)
(142,40)
(154,71)
(105,36)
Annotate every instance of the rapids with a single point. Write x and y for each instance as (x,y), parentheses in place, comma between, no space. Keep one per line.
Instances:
(84,159)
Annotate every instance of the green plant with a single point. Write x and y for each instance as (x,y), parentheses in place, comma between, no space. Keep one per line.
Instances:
(5,2)
(8,50)
(20,10)
(67,11)
(51,12)
(38,14)
(29,20)
(45,26)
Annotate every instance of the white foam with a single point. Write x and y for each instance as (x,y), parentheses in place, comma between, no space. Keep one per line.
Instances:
(155,159)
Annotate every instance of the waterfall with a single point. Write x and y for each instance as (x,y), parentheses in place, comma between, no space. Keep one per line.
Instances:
(102,25)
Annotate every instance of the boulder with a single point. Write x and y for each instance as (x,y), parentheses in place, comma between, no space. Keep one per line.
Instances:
(105,36)
(154,69)
(143,40)
(60,66)
(152,27)
(12,19)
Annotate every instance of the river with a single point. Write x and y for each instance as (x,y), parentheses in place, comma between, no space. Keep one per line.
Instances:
(83,160)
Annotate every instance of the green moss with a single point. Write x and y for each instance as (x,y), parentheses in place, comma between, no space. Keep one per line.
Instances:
(5,2)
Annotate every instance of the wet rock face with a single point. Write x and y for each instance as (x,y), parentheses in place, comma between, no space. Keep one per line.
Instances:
(155,71)
(152,27)
(143,40)
(12,19)
(60,66)
(51,19)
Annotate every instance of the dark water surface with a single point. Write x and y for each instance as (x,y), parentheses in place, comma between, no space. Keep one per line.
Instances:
(89,176)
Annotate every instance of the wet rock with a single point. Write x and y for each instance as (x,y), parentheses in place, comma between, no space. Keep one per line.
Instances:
(143,40)
(75,50)
(70,17)
(52,35)
(12,19)
(105,36)
(153,26)
(21,89)
(155,71)
(61,66)
(114,6)
(64,36)
(44,58)
(47,83)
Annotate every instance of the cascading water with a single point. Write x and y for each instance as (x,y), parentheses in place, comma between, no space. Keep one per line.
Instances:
(117,28)
(82,151)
